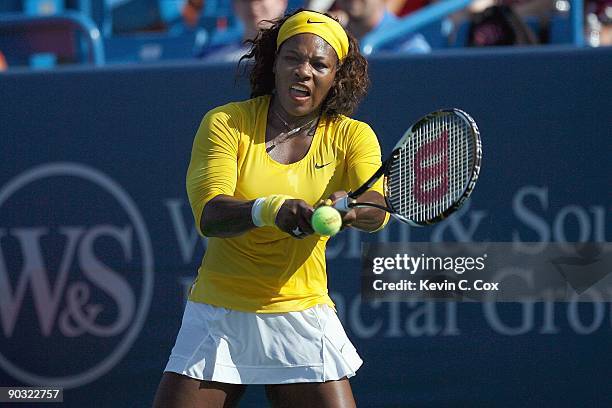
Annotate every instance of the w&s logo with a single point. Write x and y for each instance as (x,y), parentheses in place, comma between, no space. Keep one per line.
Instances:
(76,274)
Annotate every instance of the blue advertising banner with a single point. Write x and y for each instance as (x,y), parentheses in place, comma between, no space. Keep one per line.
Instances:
(98,246)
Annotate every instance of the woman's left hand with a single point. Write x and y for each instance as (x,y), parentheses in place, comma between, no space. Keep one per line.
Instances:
(294,218)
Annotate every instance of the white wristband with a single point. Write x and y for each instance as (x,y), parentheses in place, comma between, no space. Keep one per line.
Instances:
(342,204)
(256,212)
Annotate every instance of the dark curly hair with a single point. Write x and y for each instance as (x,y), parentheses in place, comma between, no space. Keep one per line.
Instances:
(350,84)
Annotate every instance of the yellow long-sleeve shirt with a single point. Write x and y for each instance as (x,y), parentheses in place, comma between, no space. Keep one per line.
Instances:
(265,270)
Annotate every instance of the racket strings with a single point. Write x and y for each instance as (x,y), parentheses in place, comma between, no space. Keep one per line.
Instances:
(431,171)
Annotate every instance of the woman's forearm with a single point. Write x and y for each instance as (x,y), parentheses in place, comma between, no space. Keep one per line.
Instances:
(226,217)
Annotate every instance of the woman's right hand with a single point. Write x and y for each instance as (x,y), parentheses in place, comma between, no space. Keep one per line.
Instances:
(294,218)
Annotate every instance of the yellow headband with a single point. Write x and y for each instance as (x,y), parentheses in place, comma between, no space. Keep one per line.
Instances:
(315,23)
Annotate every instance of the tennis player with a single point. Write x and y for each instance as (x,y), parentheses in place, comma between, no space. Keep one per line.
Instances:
(259,311)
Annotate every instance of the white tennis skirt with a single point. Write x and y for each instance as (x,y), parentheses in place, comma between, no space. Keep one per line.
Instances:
(228,346)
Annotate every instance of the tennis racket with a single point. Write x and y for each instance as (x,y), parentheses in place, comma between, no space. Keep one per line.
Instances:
(430,173)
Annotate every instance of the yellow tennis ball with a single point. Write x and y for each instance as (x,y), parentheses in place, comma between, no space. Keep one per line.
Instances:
(326,221)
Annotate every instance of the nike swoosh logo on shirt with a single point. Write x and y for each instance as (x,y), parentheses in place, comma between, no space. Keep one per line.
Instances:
(309,21)
(320,166)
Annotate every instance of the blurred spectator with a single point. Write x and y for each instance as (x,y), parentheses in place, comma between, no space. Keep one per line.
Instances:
(507,18)
(191,12)
(3,64)
(598,24)
(253,15)
(369,17)
(499,25)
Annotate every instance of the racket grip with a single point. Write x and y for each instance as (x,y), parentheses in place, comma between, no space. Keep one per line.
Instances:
(342,204)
